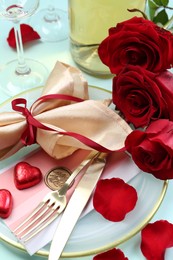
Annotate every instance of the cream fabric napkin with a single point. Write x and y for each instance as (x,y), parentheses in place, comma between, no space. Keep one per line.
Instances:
(92,119)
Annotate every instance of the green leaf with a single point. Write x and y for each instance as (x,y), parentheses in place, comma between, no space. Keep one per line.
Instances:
(161,17)
(165,2)
(152,9)
(158,2)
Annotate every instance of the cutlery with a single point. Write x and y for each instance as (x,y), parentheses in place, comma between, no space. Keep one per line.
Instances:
(49,208)
(75,206)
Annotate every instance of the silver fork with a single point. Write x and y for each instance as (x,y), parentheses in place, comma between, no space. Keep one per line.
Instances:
(49,208)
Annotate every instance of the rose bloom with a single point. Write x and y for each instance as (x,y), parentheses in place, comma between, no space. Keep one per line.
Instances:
(137,41)
(143,96)
(152,150)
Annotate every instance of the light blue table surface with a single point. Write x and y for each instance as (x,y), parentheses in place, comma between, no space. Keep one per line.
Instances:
(49,53)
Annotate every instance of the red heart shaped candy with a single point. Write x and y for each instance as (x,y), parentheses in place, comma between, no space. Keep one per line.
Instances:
(26,175)
(6,203)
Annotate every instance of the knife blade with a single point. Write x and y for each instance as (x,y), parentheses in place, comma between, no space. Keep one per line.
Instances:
(75,207)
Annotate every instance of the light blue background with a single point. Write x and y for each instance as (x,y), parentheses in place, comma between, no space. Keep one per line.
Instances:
(49,53)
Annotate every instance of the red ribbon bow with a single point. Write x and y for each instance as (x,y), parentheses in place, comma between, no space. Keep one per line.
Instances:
(29,135)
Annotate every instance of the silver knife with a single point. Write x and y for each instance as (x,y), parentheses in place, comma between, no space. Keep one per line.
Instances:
(75,207)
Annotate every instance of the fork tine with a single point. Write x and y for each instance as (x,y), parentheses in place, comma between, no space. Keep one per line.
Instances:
(42,217)
(34,220)
(44,224)
(35,211)
(48,209)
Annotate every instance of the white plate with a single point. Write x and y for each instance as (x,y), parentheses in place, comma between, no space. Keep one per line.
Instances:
(94,234)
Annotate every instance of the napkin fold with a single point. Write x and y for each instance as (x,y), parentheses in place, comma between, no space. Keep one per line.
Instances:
(63,119)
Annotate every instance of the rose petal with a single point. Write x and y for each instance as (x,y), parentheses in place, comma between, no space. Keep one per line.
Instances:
(28,35)
(113,254)
(113,198)
(156,237)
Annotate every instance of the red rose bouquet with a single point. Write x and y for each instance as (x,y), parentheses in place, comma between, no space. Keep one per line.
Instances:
(139,53)
(142,89)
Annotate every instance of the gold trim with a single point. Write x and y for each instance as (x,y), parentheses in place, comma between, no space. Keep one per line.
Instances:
(99,249)
(40,87)
(20,94)
(45,253)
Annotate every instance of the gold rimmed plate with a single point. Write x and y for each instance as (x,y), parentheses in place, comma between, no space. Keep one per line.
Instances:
(93,234)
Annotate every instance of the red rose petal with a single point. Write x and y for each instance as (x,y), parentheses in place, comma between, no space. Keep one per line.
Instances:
(113,254)
(113,198)
(156,237)
(28,35)
(6,203)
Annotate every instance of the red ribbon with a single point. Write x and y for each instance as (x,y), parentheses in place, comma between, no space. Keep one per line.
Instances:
(59,96)
(29,135)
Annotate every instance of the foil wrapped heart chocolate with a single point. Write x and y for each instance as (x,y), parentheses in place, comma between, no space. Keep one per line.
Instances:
(26,175)
(6,203)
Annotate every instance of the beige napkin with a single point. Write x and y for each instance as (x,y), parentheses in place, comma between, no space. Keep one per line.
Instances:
(91,119)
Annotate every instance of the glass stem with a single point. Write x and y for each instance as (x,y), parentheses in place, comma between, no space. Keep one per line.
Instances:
(22,68)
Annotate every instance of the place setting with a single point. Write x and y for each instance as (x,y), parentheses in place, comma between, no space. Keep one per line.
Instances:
(84,169)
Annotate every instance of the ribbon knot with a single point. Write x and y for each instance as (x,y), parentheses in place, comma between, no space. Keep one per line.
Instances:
(29,135)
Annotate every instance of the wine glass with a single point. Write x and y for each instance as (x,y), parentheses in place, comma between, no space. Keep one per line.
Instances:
(51,23)
(20,74)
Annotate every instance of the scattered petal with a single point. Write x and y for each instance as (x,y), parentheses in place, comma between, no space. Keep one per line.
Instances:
(113,254)
(113,198)
(156,237)
(28,35)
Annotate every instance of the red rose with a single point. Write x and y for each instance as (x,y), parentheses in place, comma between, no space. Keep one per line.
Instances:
(152,150)
(143,96)
(138,42)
